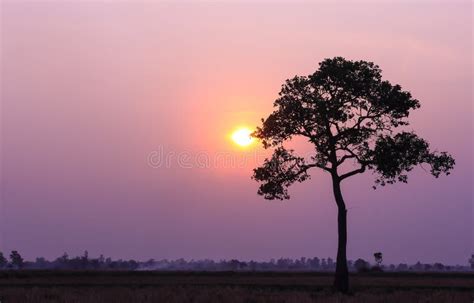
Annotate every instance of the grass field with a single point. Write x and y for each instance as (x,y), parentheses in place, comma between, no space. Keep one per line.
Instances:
(136,286)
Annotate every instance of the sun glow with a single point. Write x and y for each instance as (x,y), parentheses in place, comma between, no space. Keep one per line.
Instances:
(242,136)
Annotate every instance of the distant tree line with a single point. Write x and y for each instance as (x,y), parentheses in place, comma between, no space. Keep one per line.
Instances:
(16,262)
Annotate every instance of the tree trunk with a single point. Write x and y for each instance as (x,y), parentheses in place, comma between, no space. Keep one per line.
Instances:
(341,281)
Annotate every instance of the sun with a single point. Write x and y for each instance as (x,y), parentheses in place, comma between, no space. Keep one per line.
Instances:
(242,136)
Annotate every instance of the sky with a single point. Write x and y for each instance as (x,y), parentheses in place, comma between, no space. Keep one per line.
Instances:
(116,120)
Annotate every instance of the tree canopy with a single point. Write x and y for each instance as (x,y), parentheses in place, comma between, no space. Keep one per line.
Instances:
(348,113)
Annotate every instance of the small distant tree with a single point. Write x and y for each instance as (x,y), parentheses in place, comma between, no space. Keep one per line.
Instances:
(253,265)
(402,267)
(471,261)
(315,263)
(85,259)
(330,263)
(378,258)
(324,264)
(236,265)
(361,265)
(101,260)
(64,258)
(348,113)
(62,261)
(16,260)
(417,266)
(438,266)
(41,262)
(3,261)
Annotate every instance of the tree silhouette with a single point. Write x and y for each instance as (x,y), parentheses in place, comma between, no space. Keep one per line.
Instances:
(348,113)
(361,265)
(378,259)
(3,261)
(16,259)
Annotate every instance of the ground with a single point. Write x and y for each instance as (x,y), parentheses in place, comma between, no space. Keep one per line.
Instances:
(173,287)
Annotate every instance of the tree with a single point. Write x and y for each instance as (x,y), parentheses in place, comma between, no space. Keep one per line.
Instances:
(378,258)
(361,265)
(349,114)
(378,261)
(85,260)
(314,263)
(16,259)
(402,267)
(3,261)
(471,261)
(41,263)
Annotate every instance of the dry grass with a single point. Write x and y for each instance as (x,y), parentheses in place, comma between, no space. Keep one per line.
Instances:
(121,287)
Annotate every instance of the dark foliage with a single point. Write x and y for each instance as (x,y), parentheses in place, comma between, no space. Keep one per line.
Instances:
(80,263)
(16,260)
(347,112)
(378,258)
(3,261)
(361,265)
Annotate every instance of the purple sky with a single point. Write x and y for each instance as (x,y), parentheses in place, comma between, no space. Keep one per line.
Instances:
(89,90)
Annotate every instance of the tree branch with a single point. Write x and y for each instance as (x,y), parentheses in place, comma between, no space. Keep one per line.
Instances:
(344,158)
(321,166)
(354,172)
